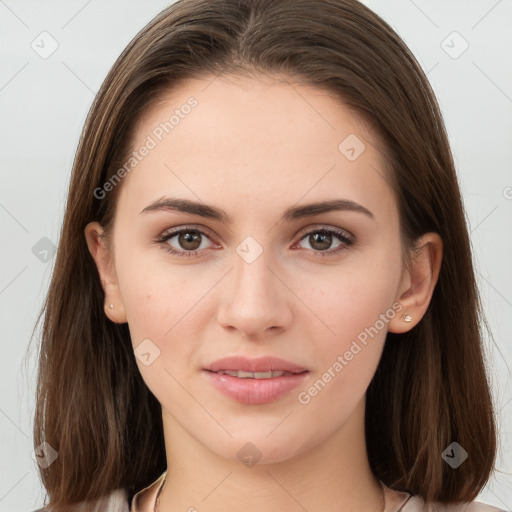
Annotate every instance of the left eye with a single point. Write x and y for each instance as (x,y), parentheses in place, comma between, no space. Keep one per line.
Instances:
(190,241)
(321,239)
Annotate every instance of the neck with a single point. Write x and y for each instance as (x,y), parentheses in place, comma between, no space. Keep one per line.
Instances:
(333,475)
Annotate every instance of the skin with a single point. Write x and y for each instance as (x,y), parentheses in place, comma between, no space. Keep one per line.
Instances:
(254,147)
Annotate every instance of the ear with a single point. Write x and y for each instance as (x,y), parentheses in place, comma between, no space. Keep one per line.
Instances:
(105,264)
(418,282)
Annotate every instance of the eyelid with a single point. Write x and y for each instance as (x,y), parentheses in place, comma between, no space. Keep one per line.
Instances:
(319,227)
(190,227)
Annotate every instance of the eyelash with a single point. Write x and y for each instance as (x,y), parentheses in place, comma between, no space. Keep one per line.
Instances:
(342,237)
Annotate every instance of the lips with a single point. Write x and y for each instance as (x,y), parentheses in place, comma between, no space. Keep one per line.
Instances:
(255,381)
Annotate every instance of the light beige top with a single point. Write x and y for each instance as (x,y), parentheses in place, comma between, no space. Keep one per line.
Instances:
(394,501)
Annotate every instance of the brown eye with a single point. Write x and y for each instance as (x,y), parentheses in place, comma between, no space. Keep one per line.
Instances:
(189,240)
(321,240)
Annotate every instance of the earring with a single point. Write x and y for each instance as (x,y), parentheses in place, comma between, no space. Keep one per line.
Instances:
(407,318)
(112,306)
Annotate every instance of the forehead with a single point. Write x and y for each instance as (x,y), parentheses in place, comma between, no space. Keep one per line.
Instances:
(273,111)
(259,139)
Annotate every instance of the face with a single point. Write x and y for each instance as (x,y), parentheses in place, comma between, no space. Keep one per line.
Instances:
(316,288)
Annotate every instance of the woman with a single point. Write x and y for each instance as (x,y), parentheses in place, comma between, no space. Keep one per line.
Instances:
(264,296)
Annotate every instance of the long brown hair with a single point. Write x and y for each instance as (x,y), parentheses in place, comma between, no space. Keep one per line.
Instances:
(430,388)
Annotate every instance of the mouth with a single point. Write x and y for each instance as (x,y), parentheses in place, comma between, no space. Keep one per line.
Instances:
(255,381)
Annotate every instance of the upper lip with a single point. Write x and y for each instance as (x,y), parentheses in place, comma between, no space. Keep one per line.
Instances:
(260,364)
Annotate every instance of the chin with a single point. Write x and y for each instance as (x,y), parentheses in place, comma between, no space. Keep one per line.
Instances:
(258,447)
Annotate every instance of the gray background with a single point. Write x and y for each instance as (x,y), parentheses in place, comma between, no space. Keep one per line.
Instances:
(44,102)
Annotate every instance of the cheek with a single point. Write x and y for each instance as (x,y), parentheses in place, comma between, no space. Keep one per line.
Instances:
(348,356)
(159,316)
(150,289)
(163,304)
(354,308)
(349,301)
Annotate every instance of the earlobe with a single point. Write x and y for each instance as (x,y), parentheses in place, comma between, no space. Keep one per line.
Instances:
(115,312)
(113,304)
(418,282)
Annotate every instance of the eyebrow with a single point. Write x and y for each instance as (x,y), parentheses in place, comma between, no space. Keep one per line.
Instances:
(292,213)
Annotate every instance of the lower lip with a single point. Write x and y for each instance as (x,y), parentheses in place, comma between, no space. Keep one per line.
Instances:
(255,391)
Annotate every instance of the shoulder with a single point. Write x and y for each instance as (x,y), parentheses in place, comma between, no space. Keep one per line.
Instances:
(416,504)
(116,501)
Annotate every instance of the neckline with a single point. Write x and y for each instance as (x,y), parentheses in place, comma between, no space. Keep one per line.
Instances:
(145,499)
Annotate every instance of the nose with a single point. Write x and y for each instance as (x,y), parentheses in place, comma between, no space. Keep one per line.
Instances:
(255,298)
